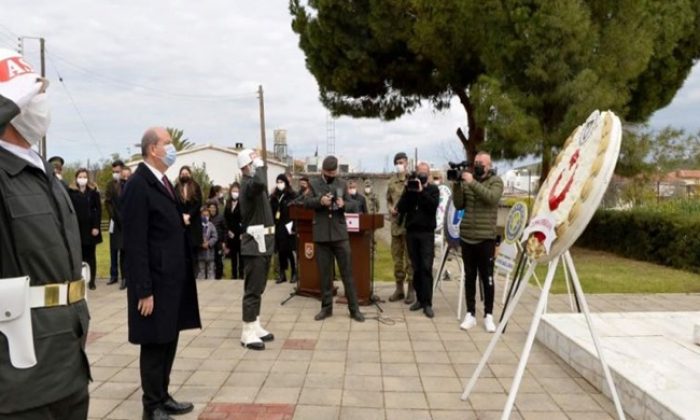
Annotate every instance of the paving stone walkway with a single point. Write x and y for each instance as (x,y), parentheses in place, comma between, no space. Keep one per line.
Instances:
(404,367)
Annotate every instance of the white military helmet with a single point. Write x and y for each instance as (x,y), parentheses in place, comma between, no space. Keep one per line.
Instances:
(18,81)
(245,157)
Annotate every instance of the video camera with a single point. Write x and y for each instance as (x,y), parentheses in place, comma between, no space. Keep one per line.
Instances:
(456,169)
(413,183)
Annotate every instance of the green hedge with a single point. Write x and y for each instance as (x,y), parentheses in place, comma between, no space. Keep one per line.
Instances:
(647,234)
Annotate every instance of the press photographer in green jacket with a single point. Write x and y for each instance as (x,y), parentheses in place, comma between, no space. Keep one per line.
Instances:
(478,194)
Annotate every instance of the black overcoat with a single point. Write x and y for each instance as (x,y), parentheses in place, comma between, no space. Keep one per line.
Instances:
(158,261)
(88,210)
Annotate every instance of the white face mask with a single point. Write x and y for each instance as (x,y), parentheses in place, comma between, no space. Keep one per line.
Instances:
(352,191)
(234,195)
(59,176)
(280,186)
(368,190)
(399,168)
(116,176)
(436,181)
(81,181)
(33,122)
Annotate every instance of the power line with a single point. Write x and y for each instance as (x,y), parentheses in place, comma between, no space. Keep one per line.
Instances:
(77,111)
(153,91)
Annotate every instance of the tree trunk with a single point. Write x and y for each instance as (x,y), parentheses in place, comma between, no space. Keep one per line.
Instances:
(475,135)
(546,161)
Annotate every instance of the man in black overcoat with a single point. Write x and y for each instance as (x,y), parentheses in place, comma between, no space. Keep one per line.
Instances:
(162,294)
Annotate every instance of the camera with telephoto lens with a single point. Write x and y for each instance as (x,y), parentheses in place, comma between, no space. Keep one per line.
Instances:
(456,169)
(412,182)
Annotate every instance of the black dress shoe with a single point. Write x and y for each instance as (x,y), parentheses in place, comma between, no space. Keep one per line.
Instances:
(157,414)
(325,313)
(111,281)
(428,311)
(417,306)
(357,316)
(92,286)
(173,407)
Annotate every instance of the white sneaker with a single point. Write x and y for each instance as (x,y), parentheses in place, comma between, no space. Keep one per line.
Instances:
(261,332)
(469,322)
(488,324)
(249,339)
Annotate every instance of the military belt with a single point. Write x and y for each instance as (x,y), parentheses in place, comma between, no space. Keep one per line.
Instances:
(57,294)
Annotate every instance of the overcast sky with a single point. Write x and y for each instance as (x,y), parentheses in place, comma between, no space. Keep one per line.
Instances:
(196,66)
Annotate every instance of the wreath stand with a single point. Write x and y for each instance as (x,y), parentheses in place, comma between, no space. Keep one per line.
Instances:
(568,264)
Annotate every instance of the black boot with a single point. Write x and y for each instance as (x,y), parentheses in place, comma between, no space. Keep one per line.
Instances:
(325,313)
(282,278)
(122,284)
(294,276)
(91,285)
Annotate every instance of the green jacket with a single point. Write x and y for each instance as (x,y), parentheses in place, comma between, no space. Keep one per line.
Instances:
(39,238)
(393,194)
(329,223)
(480,203)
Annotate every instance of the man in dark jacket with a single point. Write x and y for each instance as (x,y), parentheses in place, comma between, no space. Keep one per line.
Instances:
(257,245)
(44,371)
(162,293)
(357,197)
(418,205)
(478,194)
(112,202)
(328,197)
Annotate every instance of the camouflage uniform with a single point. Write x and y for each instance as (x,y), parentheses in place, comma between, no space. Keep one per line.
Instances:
(372,200)
(399,253)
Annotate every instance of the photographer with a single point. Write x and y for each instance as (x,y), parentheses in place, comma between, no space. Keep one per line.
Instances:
(418,205)
(329,198)
(478,194)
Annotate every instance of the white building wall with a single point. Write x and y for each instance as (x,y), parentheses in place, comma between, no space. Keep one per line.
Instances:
(220,164)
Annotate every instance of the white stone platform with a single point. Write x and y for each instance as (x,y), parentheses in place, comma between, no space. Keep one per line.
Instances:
(655,364)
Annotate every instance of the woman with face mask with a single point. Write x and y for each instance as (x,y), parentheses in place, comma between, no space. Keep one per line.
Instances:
(285,241)
(86,202)
(232,219)
(189,193)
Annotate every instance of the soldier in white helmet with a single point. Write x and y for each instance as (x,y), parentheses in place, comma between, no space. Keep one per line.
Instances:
(44,316)
(257,245)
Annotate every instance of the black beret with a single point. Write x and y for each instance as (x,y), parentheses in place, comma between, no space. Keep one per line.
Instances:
(58,159)
(400,155)
(330,163)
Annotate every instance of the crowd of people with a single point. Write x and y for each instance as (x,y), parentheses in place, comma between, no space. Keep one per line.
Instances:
(164,236)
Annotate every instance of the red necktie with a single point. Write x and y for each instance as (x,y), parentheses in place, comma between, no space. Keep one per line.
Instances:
(168,186)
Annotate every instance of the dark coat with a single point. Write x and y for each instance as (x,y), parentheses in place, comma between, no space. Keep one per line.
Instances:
(419,208)
(329,224)
(193,207)
(39,238)
(89,211)
(112,203)
(158,261)
(255,210)
(232,219)
(279,202)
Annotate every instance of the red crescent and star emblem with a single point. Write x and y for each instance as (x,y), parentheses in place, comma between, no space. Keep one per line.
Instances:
(556,199)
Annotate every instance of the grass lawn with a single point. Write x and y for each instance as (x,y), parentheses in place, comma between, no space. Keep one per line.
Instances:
(599,272)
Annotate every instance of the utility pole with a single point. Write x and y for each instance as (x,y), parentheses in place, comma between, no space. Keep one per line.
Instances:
(262,123)
(42,50)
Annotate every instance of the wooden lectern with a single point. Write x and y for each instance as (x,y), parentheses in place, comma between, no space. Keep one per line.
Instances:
(360,248)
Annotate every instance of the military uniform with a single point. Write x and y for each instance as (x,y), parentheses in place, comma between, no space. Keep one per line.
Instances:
(331,240)
(372,200)
(40,238)
(255,210)
(399,253)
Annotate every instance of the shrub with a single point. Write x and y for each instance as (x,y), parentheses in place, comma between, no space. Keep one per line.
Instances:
(668,234)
